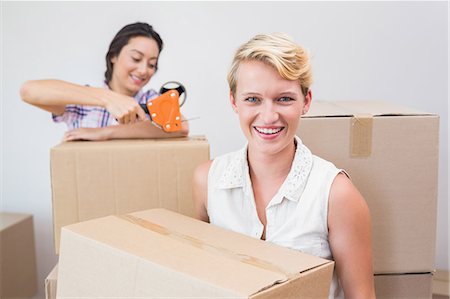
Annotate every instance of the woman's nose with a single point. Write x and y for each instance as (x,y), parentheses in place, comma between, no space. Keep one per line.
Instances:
(269,113)
(142,68)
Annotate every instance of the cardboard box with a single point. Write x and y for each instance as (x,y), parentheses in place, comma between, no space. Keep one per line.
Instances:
(17,256)
(441,285)
(96,179)
(51,282)
(403,286)
(391,154)
(162,254)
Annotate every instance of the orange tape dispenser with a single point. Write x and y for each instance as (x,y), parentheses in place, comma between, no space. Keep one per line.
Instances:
(164,110)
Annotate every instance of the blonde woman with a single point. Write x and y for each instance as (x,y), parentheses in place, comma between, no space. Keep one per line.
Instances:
(274,188)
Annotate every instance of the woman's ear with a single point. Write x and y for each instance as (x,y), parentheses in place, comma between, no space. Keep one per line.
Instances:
(114,59)
(233,102)
(307,102)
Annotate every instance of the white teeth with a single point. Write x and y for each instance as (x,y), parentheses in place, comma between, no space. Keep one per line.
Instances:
(136,78)
(268,131)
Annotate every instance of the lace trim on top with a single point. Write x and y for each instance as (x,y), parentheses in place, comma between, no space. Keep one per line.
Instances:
(292,187)
(233,174)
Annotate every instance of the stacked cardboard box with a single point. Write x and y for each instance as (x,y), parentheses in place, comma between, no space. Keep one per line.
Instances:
(162,254)
(408,286)
(96,179)
(17,256)
(391,154)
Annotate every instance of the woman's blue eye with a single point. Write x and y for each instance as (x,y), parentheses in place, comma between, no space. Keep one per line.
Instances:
(285,99)
(251,99)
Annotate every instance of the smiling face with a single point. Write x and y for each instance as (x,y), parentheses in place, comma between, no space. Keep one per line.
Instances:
(134,66)
(269,107)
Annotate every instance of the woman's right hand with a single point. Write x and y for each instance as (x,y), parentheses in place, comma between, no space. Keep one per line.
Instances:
(123,108)
(53,95)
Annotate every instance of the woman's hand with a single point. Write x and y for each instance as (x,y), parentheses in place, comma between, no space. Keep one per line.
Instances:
(141,130)
(54,95)
(93,134)
(123,108)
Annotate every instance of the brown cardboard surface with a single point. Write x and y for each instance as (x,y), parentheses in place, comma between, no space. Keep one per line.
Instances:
(17,256)
(398,179)
(51,283)
(403,286)
(441,283)
(96,179)
(161,253)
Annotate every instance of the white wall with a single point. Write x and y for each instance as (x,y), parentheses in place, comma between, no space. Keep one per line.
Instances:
(394,51)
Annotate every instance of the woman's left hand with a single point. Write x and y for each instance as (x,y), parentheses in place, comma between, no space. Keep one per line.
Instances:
(93,134)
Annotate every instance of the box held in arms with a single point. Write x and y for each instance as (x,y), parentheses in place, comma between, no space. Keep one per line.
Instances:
(158,253)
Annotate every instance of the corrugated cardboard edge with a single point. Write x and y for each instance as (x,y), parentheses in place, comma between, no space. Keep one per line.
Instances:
(120,142)
(302,286)
(54,152)
(377,108)
(51,282)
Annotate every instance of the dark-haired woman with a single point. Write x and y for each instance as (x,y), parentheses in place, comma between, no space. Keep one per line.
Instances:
(111,111)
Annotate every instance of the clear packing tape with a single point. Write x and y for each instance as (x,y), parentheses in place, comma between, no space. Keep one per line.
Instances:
(361,127)
(250,260)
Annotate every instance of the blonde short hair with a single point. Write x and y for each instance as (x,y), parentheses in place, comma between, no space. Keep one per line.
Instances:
(279,51)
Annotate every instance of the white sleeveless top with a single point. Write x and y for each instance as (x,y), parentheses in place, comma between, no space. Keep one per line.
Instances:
(296,215)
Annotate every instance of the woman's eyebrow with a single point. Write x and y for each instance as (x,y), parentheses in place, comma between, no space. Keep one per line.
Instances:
(250,93)
(139,52)
(288,93)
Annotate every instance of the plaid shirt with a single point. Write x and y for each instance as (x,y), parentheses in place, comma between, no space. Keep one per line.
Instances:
(79,116)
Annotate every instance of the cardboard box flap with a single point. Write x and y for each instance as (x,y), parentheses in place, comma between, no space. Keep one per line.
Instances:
(359,108)
(201,250)
(125,143)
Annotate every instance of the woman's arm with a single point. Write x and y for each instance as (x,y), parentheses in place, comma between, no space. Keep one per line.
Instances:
(144,129)
(54,95)
(200,191)
(350,238)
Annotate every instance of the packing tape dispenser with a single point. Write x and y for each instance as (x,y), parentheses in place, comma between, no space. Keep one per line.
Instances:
(164,111)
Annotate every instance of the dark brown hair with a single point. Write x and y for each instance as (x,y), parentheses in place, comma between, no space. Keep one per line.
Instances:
(121,39)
